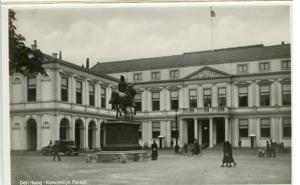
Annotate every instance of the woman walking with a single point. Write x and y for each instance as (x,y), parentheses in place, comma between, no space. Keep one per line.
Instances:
(227,155)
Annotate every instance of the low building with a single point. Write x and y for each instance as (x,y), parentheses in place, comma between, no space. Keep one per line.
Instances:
(233,94)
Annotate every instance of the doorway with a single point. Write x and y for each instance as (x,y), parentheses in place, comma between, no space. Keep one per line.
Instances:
(31,135)
(190,129)
(220,128)
(205,131)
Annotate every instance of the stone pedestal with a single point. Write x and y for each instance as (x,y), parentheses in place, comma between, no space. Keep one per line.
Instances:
(121,135)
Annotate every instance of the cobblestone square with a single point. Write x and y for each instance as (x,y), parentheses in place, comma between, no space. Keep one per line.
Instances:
(169,169)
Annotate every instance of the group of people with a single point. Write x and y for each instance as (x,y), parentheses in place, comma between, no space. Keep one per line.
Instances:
(195,148)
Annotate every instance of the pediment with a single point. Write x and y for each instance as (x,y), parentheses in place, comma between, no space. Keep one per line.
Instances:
(207,73)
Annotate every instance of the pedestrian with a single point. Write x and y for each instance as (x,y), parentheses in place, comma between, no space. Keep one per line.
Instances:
(196,147)
(240,143)
(231,155)
(225,160)
(227,155)
(55,150)
(268,149)
(272,149)
(154,151)
(185,147)
(172,143)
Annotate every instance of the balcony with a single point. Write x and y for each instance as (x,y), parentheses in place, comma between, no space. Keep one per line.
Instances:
(204,110)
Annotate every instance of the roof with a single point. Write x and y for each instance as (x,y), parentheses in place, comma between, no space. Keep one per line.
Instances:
(218,56)
(69,64)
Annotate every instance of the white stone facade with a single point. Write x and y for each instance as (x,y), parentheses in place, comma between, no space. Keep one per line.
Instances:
(35,123)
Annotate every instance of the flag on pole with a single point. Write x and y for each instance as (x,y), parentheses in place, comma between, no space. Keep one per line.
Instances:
(212,13)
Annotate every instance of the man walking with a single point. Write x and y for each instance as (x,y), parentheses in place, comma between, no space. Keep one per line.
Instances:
(55,150)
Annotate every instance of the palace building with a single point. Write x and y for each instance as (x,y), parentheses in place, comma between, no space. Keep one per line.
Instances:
(241,93)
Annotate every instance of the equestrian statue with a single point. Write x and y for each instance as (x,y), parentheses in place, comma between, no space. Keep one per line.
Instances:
(123,99)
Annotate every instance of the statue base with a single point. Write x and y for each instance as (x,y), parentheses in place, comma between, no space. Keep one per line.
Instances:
(121,135)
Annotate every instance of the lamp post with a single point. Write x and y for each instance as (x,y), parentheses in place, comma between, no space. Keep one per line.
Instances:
(176,126)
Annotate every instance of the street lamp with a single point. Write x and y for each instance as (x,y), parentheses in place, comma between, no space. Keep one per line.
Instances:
(176,126)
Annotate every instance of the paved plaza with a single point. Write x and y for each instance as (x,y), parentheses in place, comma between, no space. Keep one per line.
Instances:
(169,169)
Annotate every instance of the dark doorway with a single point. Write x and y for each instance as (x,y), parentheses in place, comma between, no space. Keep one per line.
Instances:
(205,131)
(31,135)
(220,124)
(64,129)
(79,129)
(91,134)
(190,129)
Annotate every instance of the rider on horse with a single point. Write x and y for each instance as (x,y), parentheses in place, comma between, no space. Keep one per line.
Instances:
(122,87)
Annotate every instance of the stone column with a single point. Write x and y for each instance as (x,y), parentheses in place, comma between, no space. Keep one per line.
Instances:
(196,129)
(272,93)
(108,94)
(228,95)
(257,103)
(210,132)
(162,99)
(214,96)
(96,91)
(200,96)
(168,99)
(235,98)
(280,93)
(144,100)
(226,129)
(180,130)
(73,90)
(280,129)
(86,134)
(181,97)
(253,92)
(200,132)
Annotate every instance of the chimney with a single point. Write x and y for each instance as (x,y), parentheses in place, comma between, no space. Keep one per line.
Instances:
(54,55)
(87,65)
(282,42)
(34,45)
(60,55)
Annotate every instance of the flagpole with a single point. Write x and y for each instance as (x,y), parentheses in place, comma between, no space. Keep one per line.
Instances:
(211,31)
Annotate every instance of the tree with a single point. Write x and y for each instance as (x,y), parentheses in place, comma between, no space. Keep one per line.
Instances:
(22,59)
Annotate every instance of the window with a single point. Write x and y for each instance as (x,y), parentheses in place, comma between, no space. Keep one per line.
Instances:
(243,127)
(78,92)
(174,73)
(140,131)
(242,68)
(207,97)
(286,64)
(286,94)
(174,100)
(155,101)
(265,128)
(264,66)
(265,95)
(31,89)
(64,89)
(103,97)
(174,133)
(138,102)
(137,76)
(193,98)
(155,129)
(287,127)
(243,96)
(155,75)
(222,97)
(92,95)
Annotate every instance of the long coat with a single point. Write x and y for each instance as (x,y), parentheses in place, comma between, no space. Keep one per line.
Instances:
(154,151)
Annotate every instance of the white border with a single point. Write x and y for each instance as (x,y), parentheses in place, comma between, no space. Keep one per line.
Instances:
(5,170)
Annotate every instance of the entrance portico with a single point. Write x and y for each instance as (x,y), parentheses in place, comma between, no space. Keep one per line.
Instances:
(209,130)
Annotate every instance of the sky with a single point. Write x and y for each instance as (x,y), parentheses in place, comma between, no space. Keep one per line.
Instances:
(110,33)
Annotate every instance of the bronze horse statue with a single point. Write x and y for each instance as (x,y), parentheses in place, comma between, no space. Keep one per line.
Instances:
(122,103)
